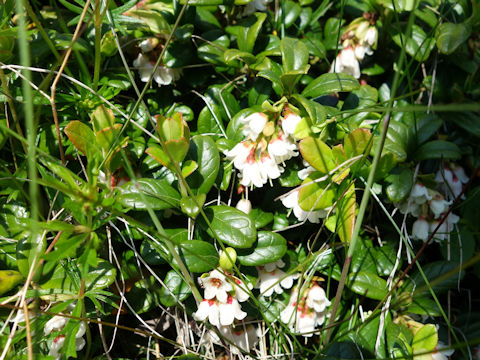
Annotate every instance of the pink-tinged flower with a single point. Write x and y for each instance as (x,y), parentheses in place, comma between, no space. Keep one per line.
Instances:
(273,280)
(56,323)
(245,337)
(456,187)
(282,149)
(291,202)
(317,299)
(57,343)
(304,313)
(444,175)
(252,173)
(240,153)
(346,62)
(254,125)
(420,194)
(439,205)
(240,289)
(361,50)
(208,309)
(371,36)
(163,75)
(290,122)
(148,45)
(215,285)
(244,205)
(420,229)
(440,354)
(230,311)
(460,174)
(445,228)
(269,167)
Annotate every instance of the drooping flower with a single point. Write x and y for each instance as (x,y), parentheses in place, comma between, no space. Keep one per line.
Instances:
(56,323)
(346,62)
(420,229)
(445,228)
(254,125)
(306,311)
(420,194)
(244,205)
(439,205)
(441,353)
(290,121)
(216,286)
(271,278)
(282,148)
(291,202)
(163,75)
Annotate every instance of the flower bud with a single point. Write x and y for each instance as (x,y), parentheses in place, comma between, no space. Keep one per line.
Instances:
(244,205)
(228,258)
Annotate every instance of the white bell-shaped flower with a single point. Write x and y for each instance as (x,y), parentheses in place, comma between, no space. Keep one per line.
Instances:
(420,194)
(290,122)
(244,205)
(420,229)
(254,125)
(346,62)
(56,323)
(216,286)
(317,299)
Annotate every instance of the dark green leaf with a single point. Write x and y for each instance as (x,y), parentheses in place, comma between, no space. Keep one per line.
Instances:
(157,194)
(438,149)
(330,83)
(175,290)
(450,36)
(368,284)
(270,247)
(232,226)
(199,256)
(204,152)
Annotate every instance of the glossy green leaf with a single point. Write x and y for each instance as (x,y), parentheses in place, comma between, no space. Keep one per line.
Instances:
(82,137)
(318,154)
(199,256)
(29,251)
(368,284)
(450,36)
(315,111)
(191,206)
(8,280)
(316,195)
(247,31)
(425,339)
(346,208)
(204,152)
(65,280)
(438,149)
(157,194)
(174,291)
(232,226)
(270,247)
(358,142)
(294,55)
(234,54)
(401,183)
(330,83)
(424,305)
(260,217)
(418,45)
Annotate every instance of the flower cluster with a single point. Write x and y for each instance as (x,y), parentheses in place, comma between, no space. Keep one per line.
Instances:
(428,206)
(57,323)
(268,143)
(271,278)
(222,297)
(221,306)
(359,40)
(305,311)
(145,63)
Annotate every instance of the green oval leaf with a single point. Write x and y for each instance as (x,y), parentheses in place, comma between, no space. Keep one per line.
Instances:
(231,225)
(175,289)
(66,279)
(330,83)
(8,280)
(204,152)
(157,194)
(199,256)
(270,247)
(450,36)
(316,195)
(438,149)
(318,154)
(368,284)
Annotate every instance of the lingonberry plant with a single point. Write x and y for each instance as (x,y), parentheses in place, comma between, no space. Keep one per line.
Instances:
(239,179)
